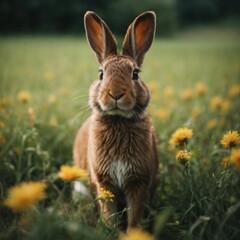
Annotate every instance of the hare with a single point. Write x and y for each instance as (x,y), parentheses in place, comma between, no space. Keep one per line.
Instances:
(117,143)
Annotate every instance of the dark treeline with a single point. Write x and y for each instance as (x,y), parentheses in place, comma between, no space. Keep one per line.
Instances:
(66,16)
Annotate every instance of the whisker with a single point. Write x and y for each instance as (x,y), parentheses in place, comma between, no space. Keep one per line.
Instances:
(79,90)
(136,117)
(80,98)
(83,108)
(82,111)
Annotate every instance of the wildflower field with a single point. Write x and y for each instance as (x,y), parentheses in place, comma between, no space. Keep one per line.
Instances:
(194,79)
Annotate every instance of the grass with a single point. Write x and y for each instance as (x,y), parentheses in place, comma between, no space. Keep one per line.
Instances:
(199,200)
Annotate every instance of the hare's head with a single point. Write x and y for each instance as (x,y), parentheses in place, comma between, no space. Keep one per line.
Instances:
(119,90)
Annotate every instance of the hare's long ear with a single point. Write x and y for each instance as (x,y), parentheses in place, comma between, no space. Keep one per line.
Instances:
(99,36)
(139,36)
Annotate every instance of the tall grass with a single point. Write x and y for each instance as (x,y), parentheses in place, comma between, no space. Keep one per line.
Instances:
(198,200)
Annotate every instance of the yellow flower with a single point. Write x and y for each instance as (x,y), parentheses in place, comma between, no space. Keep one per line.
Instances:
(212,123)
(64,92)
(181,136)
(201,89)
(105,194)
(4,101)
(225,106)
(52,99)
(136,234)
(49,75)
(168,92)
(230,139)
(52,122)
(24,96)
(71,173)
(25,195)
(153,86)
(235,157)
(216,103)
(234,91)
(31,116)
(196,111)
(163,114)
(187,94)
(183,156)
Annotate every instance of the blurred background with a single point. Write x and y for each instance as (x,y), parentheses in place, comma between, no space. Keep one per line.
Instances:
(61,16)
(193,73)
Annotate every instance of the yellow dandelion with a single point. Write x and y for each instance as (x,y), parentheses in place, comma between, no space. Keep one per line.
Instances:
(52,122)
(211,124)
(168,92)
(230,139)
(105,194)
(49,75)
(196,111)
(31,116)
(220,104)
(153,86)
(216,103)
(225,106)
(64,92)
(201,89)
(187,94)
(181,136)
(183,156)
(234,91)
(52,99)
(4,102)
(25,195)
(71,173)
(235,157)
(163,114)
(24,96)
(137,234)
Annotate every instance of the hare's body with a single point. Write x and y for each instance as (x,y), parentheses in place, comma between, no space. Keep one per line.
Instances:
(116,164)
(117,143)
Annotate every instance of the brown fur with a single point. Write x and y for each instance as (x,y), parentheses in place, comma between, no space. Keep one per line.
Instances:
(117,144)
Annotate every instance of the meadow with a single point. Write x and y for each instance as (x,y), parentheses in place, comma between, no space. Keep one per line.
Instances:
(194,79)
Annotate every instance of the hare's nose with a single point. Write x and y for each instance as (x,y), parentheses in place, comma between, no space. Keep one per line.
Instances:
(116,96)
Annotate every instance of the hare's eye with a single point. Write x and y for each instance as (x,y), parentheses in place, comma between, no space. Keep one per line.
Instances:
(135,74)
(100,74)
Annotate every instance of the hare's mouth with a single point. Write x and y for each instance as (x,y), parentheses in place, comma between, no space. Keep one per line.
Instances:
(125,114)
(116,111)
(135,112)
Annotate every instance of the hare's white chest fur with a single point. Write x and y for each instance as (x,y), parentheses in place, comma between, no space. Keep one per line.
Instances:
(119,170)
